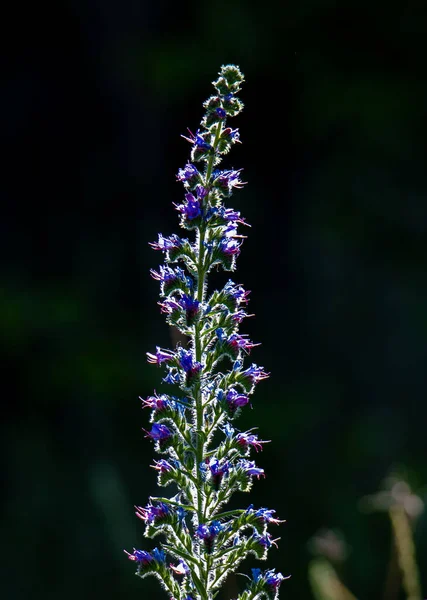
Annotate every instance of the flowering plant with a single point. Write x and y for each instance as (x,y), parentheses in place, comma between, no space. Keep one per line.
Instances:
(204,456)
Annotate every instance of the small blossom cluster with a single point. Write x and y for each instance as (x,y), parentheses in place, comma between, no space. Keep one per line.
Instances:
(204,543)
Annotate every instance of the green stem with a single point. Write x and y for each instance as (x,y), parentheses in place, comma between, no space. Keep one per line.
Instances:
(168,501)
(200,412)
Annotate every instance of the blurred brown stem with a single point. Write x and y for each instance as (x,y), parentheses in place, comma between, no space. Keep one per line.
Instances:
(405,548)
(394,578)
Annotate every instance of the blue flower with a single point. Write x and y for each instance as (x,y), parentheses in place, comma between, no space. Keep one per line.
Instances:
(209,532)
(187,361)
(181,514)
(249,467)
(198,141)
(159,432)
(228,430)
(172,376)
(188,173)
(159,555)
(233,135)
(266,516)
(170,279)
(273,579)
(236,292)
(190,305)
(192,209)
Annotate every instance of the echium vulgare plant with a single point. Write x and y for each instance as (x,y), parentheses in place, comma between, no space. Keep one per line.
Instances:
(203,455)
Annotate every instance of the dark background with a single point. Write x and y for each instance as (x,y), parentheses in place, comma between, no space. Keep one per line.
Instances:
(94,99)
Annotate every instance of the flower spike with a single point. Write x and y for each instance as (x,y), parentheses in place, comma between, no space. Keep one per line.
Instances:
(204,456)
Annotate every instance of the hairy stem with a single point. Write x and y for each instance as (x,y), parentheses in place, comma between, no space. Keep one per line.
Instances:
(200,412)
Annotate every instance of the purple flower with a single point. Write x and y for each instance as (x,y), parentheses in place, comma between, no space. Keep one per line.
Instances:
(231,215)
(218,469)
(169,305)
(265,541)
(239,315)
(162,466)
(140,556)
(254,373)
(235,400)
(248,439)
(273,579)
(221,113)
(151,513)
(157,403)
(168,275)
(229,246)
(160,357)
(188,173)
(191,210)
(266,516)
(236,341)
(164,244)
(202,192)
(236,292)
(227,180)
(159,432)
(190,305)
(249,467)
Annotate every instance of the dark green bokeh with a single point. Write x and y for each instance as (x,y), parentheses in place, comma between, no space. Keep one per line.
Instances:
(96,98)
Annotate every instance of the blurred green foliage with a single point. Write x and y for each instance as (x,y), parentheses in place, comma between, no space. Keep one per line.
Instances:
(95,99)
